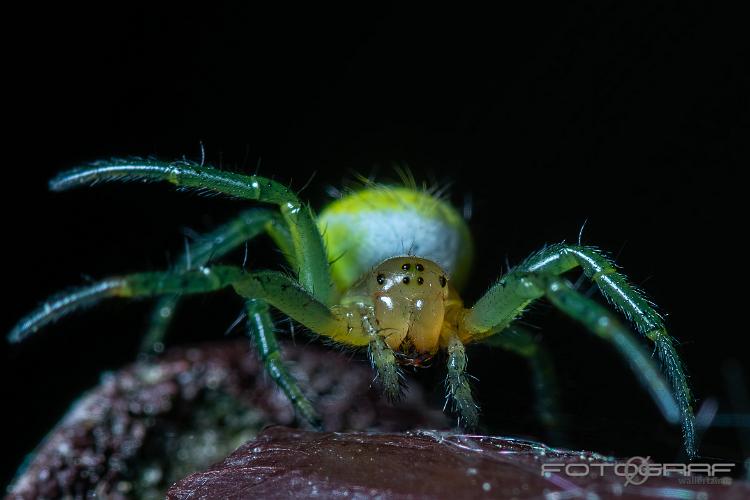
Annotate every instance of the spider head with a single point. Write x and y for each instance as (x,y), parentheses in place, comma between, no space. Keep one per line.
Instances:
(409,297)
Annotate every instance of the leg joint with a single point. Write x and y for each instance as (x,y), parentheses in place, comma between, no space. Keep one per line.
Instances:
(656,334)
(603,272)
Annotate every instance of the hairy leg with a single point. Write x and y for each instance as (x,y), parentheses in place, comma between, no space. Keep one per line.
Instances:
(382,358)
(626,298)
(598,320)
(309,253)
(520,341)
(149,284)
(507,299)
(259,288)
(279,290)
(457,385)
(558,259)
(261,331)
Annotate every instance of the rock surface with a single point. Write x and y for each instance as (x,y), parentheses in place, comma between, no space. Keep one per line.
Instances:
(289,463)
(152,423)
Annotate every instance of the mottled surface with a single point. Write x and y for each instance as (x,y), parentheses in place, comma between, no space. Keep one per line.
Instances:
(289,463)
(154,422)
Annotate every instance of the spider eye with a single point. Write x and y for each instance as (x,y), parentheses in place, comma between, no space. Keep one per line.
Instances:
(420,280)
(406,280)
(443,281)
(420,267)
(406,267)
(381,279)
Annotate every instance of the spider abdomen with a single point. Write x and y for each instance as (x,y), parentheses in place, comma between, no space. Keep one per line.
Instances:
(367,227)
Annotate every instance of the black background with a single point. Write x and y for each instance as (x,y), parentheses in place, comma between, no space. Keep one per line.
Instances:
(634,118)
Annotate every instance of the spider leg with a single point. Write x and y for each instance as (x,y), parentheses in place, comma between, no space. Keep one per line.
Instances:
(309,253)
(382,359)
(261,331)
(279,290)
(520,341)
(509,297)
(499,307)
(457,384)
(557,259)
(147,284)
(248,225)
(627,299)
(601,322)
(259,288)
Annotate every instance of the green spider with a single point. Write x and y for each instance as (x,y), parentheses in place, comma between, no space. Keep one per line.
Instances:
(380,269)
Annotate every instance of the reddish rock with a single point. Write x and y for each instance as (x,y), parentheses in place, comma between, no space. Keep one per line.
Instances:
(289,463)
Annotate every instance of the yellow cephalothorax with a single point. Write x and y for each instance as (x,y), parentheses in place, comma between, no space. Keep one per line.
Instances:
(408,296)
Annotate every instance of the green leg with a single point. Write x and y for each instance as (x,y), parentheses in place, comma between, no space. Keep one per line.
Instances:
(604,324)
(279,290)
(601,322)
(261,331)
(509,297)
(149,284)
(633,304)
(520,341)
(214,245)
(260,288)
(383,360)
(458,387)
(309,252)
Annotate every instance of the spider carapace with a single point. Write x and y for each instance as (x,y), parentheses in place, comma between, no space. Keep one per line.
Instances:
(381,268)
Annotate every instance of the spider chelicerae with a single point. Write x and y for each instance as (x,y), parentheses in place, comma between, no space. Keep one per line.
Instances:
(380,268)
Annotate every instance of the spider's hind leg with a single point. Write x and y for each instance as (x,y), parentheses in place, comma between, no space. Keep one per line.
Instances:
(261,331)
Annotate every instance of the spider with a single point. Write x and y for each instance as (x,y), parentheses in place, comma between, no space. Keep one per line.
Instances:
(380,268)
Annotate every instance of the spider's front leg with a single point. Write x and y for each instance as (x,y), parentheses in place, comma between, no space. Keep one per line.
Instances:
(538,277)
(293,229)
(309,253)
